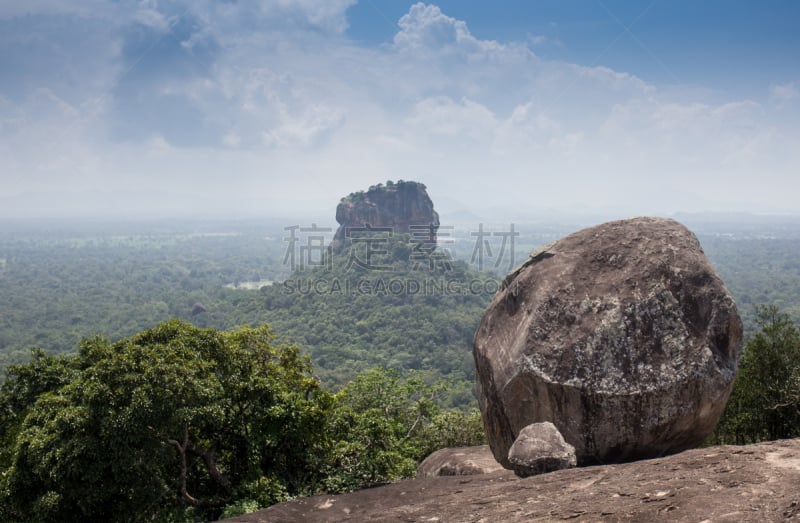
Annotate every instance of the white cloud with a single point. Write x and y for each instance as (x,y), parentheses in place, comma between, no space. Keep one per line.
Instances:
(467,121)
(783,92)
(149,16)
(233,20)
(328,14)
(306,129)
(425,27)
(47,146)
(538,39)
(269,105)
(55,7)
(231,139)
(692,130)
(529,128)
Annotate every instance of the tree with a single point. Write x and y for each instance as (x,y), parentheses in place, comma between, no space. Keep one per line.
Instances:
(173,421)
(452,428)
(376,426)
(42,374)
(179,423)
(765,403)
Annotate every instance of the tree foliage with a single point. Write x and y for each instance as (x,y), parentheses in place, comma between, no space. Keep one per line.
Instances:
(405,311)
(376,427)
(173,418)
(179,423)
(765,403)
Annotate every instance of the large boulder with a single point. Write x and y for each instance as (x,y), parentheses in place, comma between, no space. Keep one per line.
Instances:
(540,448)
(459,461)
(622,335)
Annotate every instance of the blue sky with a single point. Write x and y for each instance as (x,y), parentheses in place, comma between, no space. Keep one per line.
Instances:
(736,46)
(163,108)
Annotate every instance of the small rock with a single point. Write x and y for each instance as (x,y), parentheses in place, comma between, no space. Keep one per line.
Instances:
(328,503)
(460,461)
(540,448)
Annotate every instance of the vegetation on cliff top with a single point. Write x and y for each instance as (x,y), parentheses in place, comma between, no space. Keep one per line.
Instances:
(391,185)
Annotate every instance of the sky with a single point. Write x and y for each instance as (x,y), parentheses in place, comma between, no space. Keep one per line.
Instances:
(235,108)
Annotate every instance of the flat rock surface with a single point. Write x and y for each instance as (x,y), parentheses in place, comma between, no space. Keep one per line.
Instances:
(716,484)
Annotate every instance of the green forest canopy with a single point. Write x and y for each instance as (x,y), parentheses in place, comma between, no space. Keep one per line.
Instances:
(179,423)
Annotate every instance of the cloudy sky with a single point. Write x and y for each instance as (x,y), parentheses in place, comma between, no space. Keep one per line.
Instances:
(244,107)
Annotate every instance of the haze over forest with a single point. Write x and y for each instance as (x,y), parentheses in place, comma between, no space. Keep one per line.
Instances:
(163,109)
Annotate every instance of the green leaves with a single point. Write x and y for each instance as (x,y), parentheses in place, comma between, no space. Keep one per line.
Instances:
(169,418)
(383,423)
(765,403)
(180,423)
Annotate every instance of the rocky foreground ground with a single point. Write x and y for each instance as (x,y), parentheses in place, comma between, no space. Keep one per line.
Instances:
(755,483)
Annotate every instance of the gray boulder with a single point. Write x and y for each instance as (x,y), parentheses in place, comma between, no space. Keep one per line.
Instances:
(540,448)
(622,335)
(459,461)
